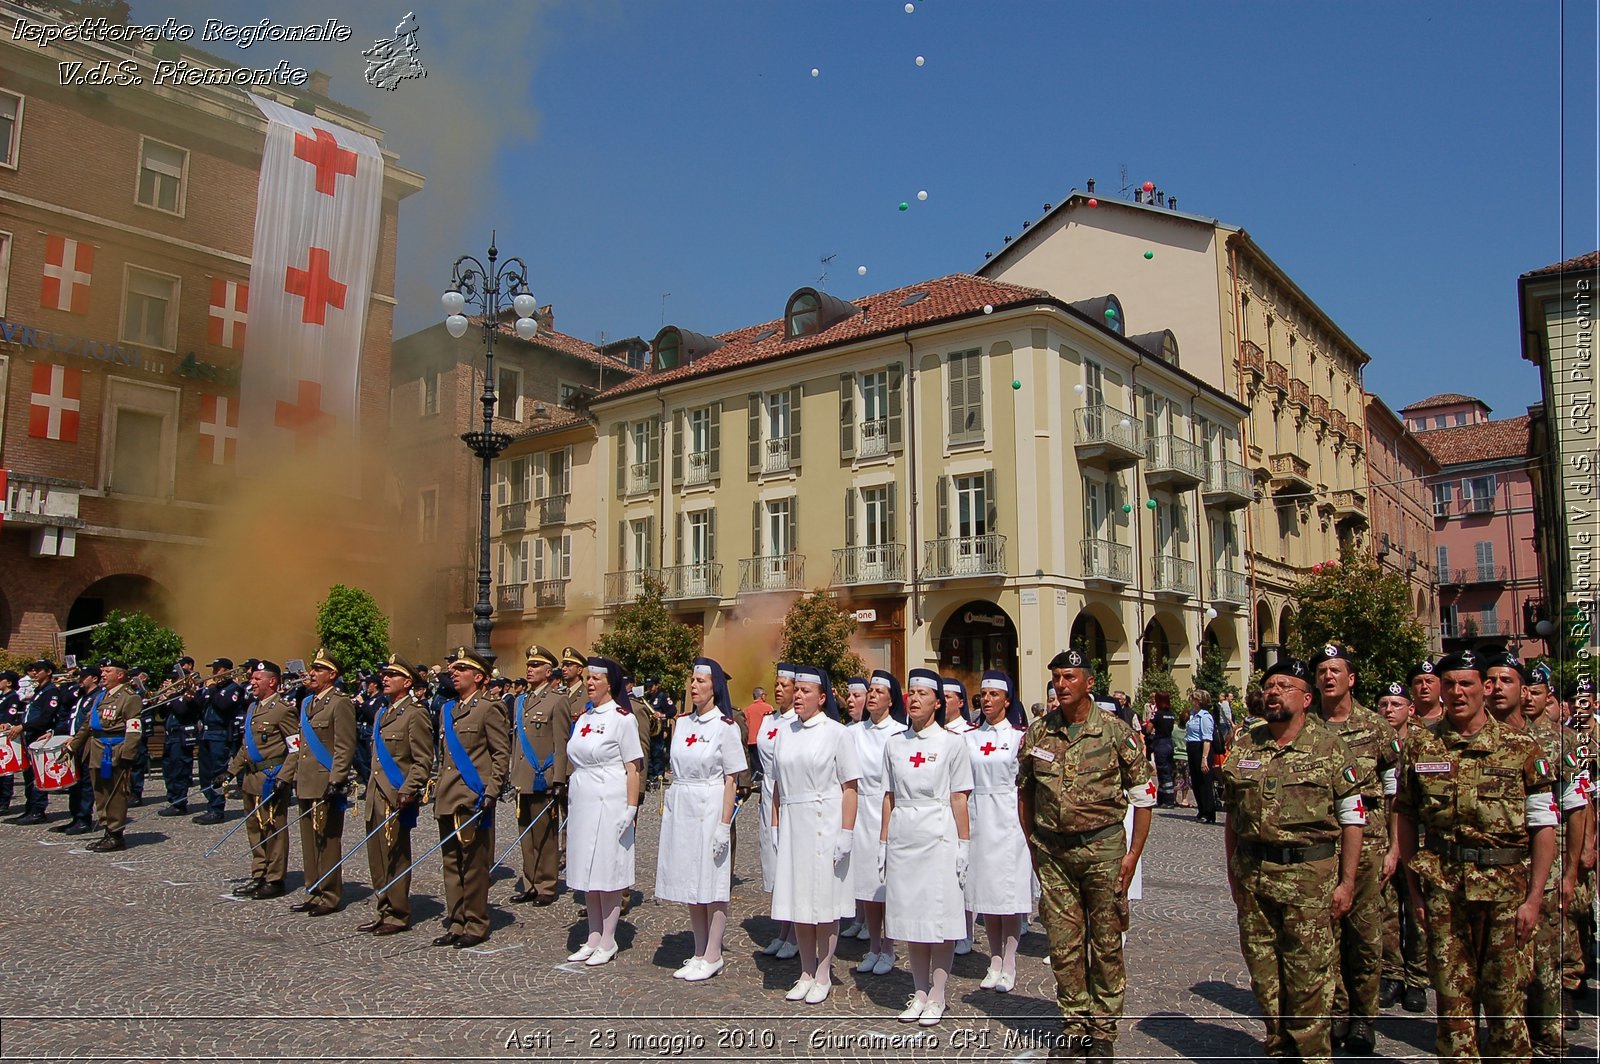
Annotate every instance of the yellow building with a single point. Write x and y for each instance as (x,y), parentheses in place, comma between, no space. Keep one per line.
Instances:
(983,472)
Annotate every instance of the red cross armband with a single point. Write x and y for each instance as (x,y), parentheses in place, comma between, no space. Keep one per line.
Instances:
(1352,811)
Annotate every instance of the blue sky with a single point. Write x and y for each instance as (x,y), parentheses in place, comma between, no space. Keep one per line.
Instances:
(1404,162)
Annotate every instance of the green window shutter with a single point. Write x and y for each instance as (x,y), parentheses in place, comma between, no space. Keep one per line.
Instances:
(793,527)
(683,528)
(711,534)
(653,449)
(620,434)
(893,512)
(974,422)
(649,543)
(847,415)
(622,545)
(942,493)
(956,373)
(897,377)
(679,423)
(795,395)
(714,442)
(850,517)
(755,433)
(991,503)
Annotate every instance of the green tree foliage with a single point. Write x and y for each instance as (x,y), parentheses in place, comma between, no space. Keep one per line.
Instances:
(1212,675)
(1356,604)
(817,631)
(137,640)
(1158,680)
(352,628)
(646,641)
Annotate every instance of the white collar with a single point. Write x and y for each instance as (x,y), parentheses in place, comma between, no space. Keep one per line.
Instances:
(608,706)
(705,718)
(1004,725)
(814,721)
(788,714)
(933,728)
(887,722)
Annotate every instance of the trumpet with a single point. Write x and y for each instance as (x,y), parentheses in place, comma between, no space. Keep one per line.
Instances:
(171,691)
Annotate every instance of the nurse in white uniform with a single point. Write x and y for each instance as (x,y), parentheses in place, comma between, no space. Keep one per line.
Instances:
(924,845)
(885,717)
(815,814)
(855,710)
(782,946)
(693,865)
(999,886)
(954,716)
(603,801)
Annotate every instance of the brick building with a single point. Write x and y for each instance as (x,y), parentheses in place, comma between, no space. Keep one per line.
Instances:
(1399,471)
(127,218)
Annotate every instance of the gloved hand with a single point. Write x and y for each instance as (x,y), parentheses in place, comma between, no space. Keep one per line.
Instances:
(719,842)
(883,859)
(841,845)
(625,825)
(961,862)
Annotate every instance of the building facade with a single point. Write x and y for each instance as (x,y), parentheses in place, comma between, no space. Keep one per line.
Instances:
(127,219)
(1400,470)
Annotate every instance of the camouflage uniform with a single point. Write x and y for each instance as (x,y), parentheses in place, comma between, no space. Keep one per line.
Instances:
(1555,944)
(1282,804)
(1467,795)
(1358,934)
(1405,947)
(1081,778)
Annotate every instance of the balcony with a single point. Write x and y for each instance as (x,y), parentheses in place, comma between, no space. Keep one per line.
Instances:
(639,481)
(1300,395)
(514,517)
(1254,359)
(1473,574)
(1108,438)
(1229,589)
(776,458)
(1350,506)
(697,469)
(1278,377)
(1229,485)
(1174,576)
(511,596)
(874,439)
(776,572)
(1173,462)
(964,556)
(882,563)
(550,594)
(1472,628)
(1107,562)
(1291,474)
(628,585)
(553,510)
(32,499)
(1320,409)
(702,580)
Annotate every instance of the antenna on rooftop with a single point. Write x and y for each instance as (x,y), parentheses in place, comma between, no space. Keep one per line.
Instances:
(1126,187)
(664,296)
(822,279)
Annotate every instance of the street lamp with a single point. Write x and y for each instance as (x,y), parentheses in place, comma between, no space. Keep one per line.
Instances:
(482,287)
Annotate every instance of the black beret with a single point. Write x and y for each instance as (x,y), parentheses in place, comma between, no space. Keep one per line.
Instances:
(43,663)
(221,663)
(1508,660)
(1422,668)
(1463,661)
(269,667)
(1329,652)
(1581,686)
(9,675)
(1069,659)
(114,663)
(1398,689)
(1292,667)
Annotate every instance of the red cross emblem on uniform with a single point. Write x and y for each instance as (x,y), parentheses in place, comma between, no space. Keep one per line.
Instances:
(987,749)
(1361,807)
(771,735)
(917,759)
(586,730)
(1150,789)
(691,740)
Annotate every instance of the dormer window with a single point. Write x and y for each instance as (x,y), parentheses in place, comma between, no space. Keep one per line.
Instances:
(674,347)
(802,315)
(811,312)
(1104,310)
(668,346)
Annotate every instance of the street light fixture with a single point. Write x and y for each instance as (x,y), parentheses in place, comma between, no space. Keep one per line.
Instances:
(483,288)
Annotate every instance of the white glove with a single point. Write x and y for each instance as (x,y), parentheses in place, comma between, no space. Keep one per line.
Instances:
(883,859)
(625,825)
(841,845)
(961,862)
(719,842)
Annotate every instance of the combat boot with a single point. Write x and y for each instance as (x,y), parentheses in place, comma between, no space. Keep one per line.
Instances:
(1362,1039)
(1100,1049)
(1569,1011)
(1389,994)
(1341,1031)
(1415,1000)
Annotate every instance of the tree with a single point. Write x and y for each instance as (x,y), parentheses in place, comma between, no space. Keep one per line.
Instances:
(1158,680)
(137,640)
(817,631)
(1212,675)
(352,628)
(1356,604)
(646,641)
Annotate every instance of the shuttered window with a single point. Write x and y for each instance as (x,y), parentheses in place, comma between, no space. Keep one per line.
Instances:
(966,396)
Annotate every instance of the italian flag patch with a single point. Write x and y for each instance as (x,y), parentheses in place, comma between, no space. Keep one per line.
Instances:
(1133,744)
(1349,775)
(1541,767)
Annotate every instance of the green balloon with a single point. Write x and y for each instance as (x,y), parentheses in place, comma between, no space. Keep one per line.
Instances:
(1016,385)
(904,205)
(1127,507)
(1149,254)
(1151,503)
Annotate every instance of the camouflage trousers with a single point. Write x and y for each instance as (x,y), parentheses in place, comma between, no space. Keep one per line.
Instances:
(1078,900)
(1359,935)
(1555,953)
(1405,947)
(1290,952)
(1474,960)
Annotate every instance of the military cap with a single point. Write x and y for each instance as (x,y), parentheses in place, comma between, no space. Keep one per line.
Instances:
(323,658)
(571,655)
(1329,652)
(1540,673)
(1398,689)
(8,674)
(251,663)
(542,655)
(186,660)
(138,670)
(1422,668)
(1507,660)
(113,663)
(1291,667)
(470,659)
(1069,659)
(43,663)
(398,666)
(1583,685)
(270,668)
(1464,661)
(226,663)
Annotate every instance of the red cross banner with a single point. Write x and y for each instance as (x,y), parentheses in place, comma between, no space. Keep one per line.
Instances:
(219,428)
(316,245)
(54,403)
(68,267)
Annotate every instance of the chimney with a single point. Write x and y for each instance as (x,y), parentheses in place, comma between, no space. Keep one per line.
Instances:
(317,82)
(1172,203)
(547,316)
(1091,186)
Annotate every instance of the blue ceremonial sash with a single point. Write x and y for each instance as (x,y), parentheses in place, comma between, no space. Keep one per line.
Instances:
(463,763)
(539,767)
(107,745)
(386,761)
(251,749)
(308,735)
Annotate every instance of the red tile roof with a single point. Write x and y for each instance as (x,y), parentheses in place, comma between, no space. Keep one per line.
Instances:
(1442,399)
(555,419)
(567,345)
(1581,264)
(1506,438)
(950,297)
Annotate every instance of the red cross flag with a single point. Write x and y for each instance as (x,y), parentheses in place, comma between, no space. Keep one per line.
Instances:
(316,244)
(68,266)
(219,428)
(53,405)
(230,306)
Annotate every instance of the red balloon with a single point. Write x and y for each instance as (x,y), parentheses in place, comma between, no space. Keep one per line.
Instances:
(1149,186)
(1094,202)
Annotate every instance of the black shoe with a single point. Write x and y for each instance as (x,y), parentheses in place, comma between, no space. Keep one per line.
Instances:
(77,827)
(60,828)
(173,810)
(1341,1031)
(248,890)
(274,889)
(544,899)
(29,818)
(524,895)
(1569,1011)
(109,843)
(302,907)
(210,816)
(1389,992)
(449,938)
(371,925)
(136,800)
(1415,999)
(468,941)
(1363,1039)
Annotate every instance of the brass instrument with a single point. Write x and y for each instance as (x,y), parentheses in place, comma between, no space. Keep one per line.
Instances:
(172,690)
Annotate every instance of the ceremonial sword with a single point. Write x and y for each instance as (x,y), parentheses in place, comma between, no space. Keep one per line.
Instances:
(435,848)
(549,806)
(353,850)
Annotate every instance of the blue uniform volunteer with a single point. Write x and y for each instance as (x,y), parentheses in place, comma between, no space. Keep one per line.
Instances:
(139,680)
(11,713)
(38,718)
(72,715)
(224,702)
(182,732)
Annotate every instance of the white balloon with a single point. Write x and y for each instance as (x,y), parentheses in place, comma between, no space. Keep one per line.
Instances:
(988,308)
(861,271)
(923,195)
(910,8)
(1077,389)
(920,60)
(815,72)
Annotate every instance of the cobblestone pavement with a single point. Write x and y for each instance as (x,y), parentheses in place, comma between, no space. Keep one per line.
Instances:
(144,955)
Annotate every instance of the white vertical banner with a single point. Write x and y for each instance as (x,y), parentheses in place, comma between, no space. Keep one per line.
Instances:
(316,244)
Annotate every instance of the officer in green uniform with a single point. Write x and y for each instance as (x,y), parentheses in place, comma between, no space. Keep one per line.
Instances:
(264,765)
(111,735)
(1293,792)
(1473,824)
(541,721)
(1359,933)
(1078,770)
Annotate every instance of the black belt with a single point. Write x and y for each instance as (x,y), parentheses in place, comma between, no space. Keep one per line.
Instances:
(1482,856)
(1286,855)
(267,765)
(1067,842)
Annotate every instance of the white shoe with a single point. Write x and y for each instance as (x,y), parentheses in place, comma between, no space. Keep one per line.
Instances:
(963,947)
(583,954)
(798,992)
(864,934)
(885,964)
(705,970)
(773,947)
(690,966)
(914,1007)
(867,963)
(990,978)
(932,1013)
(601,956)
(819,992)
(1006,983)
(851,931)
(787,950)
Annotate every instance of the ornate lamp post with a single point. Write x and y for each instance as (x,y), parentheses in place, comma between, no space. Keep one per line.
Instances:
(483,287)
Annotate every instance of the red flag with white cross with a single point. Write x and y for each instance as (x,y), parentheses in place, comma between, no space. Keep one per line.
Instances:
(68,269)
(54,403)
(219,428)
(230,311)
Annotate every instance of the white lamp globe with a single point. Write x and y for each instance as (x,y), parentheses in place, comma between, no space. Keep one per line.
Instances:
(456,325)
(525,304)
(1211,613)
(527,328)
(1077,389)
(454,302)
